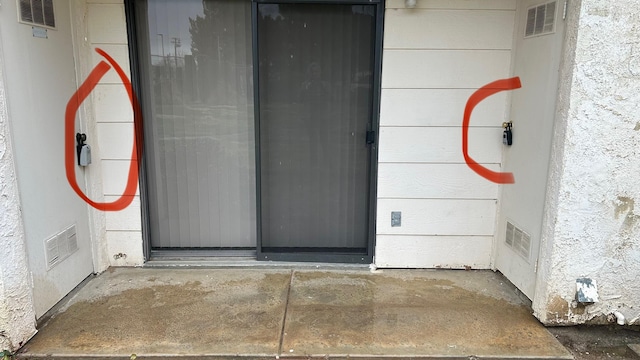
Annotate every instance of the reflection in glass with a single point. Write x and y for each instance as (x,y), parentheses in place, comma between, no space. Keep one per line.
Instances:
(197,93)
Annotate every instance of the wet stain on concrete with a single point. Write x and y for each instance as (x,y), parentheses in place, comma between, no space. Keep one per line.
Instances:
(234,317)
(332,313)
(379,315)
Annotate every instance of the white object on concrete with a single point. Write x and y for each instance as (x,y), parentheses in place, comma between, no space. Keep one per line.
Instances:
(619,317)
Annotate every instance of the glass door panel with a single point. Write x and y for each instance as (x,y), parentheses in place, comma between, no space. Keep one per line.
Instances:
(316,76)
(196,69)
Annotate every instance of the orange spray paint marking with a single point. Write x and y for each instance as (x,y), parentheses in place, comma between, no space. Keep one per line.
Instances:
(69,129)
(481,94)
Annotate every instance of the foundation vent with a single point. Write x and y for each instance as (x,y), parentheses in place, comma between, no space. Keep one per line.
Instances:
(518,240)
(541,19)
(60,246)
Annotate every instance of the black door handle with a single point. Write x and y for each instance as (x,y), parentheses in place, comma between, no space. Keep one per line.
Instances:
(371,137)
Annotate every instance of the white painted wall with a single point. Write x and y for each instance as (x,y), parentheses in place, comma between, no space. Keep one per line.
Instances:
(435,56)
(39,80)
(17,314)
(592,224)
(536,60)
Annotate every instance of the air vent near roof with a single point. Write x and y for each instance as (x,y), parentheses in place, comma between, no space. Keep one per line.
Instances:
(518,240)
(541,19)
(37,12)
(60,246)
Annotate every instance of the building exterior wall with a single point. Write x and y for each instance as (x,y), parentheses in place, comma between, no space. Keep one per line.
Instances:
(591,224)
(435,56)
(39,76)
(17,314)
(112,113)
(470,45)
(536,61)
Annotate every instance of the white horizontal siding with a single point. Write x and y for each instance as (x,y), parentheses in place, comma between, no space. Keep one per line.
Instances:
(115,140)
(437,217)
(456,4)
(115,174)
(438,107)
(453,252)
(448,69)
(112,103)
(124,220)
(433,181)
(125,243)
(439,145)
(113,114)
(119,53)
(106,24)
(447,29)
(436,55)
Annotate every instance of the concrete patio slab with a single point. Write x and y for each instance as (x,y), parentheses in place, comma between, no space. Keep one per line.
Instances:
(271,313)
(178,312)
(412,313)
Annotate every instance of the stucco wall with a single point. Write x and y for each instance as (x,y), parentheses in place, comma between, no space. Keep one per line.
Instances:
(17,315)
(592,225)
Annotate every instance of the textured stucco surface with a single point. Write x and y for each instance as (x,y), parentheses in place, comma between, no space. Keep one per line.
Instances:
(17,316)
(592,226)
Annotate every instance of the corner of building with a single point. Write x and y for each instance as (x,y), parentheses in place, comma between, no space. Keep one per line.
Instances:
(591,224)
(17,313)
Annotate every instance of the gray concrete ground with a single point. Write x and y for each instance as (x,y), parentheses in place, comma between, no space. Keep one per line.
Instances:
(273,313)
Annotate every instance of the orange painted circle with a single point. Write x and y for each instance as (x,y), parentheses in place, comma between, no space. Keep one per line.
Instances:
(136,153)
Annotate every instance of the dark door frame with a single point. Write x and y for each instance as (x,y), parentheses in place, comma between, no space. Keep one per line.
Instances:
(325,257)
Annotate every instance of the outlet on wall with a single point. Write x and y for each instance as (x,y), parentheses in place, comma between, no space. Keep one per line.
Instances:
(396,218)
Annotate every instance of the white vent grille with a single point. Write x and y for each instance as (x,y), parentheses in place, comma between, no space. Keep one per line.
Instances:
(60,246)
(541,20)
(37,12)
(51,252)
(518,240)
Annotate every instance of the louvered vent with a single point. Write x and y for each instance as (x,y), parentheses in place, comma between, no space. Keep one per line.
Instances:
(518,240)
(541,19)
(60,246)
(37,12)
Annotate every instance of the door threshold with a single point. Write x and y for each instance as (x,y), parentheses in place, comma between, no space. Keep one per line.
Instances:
(245,262)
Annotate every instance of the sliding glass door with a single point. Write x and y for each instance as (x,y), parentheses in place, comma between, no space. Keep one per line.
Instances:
(260,126)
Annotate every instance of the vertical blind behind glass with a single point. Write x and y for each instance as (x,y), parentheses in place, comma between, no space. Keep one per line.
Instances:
(315,72)
(197,91)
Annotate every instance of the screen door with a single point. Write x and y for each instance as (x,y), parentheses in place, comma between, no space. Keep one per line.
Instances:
(315,70)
